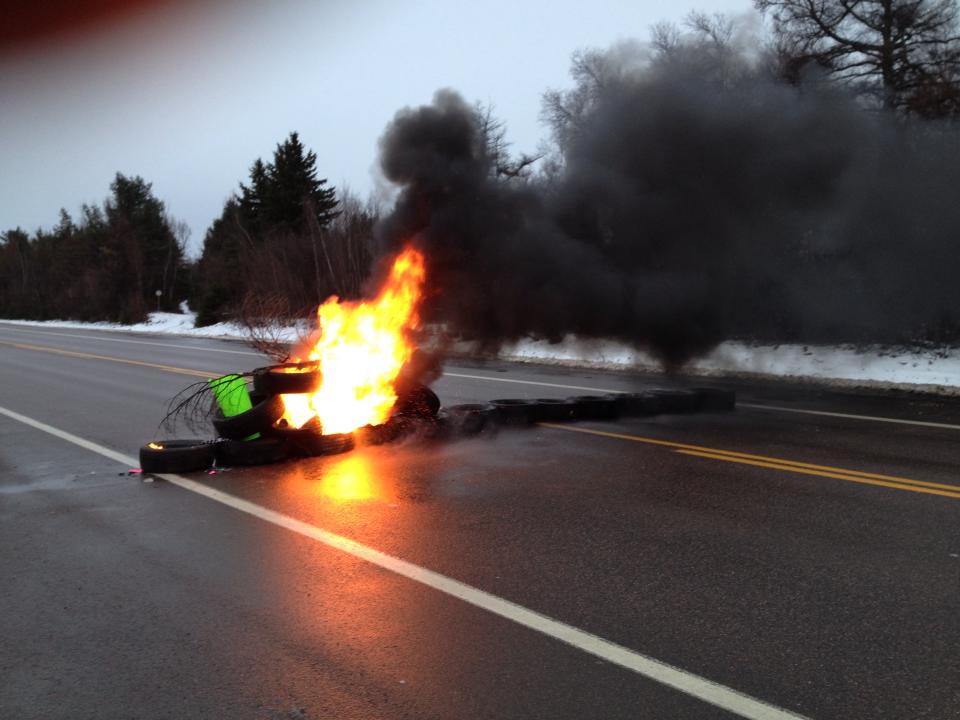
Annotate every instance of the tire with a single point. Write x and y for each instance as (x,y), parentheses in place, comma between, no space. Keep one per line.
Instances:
(257,397)
(176,456)
(638,404)
(287,379)
(515,412)
(419,400)
(553,410)
(677,401)
(716,399)
(308,442)
(594,407)
(262,451)
(471,418)
(416,426)
(259,418)
(376,434)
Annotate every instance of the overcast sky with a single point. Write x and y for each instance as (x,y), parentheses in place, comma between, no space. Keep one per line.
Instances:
(188,95)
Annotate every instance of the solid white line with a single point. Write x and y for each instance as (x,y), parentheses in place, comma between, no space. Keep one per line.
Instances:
(689,683)
(98,338)
(751,406)
(898,421)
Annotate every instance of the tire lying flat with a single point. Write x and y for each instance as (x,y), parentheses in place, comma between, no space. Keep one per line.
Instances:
(287,379)
(677,401)
(515,411)
(470,418)
(307,441)
(640,404)
(257,419)
(554,410)
(594,407)
(262,451)
(176,456)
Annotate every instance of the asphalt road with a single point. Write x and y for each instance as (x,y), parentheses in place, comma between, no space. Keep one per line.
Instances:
(779,563)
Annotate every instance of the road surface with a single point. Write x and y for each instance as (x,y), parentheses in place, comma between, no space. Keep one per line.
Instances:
(795,558)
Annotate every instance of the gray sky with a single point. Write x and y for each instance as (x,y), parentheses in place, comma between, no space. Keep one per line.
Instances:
(190,94)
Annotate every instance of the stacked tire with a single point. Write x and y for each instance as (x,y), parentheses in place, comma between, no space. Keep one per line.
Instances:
(260,434)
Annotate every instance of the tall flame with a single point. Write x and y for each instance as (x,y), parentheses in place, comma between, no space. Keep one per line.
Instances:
(361,349)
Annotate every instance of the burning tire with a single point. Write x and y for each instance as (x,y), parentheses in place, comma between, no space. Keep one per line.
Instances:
(716,399)
(176,456)
(287,379)
(420,400)
(553,410)
(515,412)
(471,418)
(594,407)
(259,418)
(376,434)
(262,451)
(416,426)
(638,404)
(677,401)
(307,441)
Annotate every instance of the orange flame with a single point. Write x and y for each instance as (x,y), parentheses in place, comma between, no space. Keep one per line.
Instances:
(361,349)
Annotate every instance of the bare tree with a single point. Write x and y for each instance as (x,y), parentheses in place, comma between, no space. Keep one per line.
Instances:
(493,131)
(704,45)
(891,50)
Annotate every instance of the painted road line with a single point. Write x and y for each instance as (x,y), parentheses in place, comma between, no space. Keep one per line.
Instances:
(110,358)
(689,683)
(824,470)
(101,338)
(531,382)
(893,481)
(821,473)
(751,406)
(848,416)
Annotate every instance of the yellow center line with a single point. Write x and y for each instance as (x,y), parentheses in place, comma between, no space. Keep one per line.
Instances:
(893,481)
(821,473)
(109,358)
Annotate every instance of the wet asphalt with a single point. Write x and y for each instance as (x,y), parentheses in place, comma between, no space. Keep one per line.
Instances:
(121,598)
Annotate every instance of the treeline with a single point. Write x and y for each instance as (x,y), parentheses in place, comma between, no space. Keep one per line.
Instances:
(283,244)
(286,240)
(115,262)
(280,246)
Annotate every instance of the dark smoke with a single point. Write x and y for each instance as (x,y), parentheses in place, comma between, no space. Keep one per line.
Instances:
(694,206)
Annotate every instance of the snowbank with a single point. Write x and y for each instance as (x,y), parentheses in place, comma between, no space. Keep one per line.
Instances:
(873,366)
(161,323)
(876,366)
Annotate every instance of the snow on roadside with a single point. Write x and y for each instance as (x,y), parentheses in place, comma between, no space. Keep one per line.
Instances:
(874,366)
(160,323)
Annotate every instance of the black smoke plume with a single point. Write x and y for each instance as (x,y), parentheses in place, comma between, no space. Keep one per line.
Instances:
(697,201)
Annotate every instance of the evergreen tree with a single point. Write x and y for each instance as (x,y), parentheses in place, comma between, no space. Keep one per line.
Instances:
(269,239)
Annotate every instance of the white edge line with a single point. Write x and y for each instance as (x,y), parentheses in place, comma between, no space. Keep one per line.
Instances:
(751,406)
(530,382)
(688,683)
(98,338)
(871,418)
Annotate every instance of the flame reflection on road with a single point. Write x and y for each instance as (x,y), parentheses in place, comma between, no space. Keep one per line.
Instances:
(350,478)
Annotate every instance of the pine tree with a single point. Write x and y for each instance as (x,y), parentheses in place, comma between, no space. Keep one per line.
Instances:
(293,194)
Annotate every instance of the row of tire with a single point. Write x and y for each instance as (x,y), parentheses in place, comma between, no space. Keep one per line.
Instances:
(260,436)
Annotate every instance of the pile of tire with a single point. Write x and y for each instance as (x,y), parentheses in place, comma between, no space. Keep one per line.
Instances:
(260,435)
(657,401)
